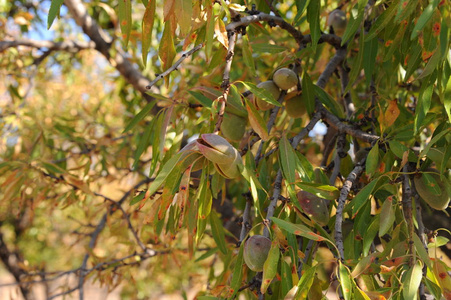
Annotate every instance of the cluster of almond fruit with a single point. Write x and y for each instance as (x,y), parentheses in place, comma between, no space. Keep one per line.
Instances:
(233,126)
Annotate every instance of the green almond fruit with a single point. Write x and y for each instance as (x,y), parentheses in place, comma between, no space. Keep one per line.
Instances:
(256,251)
(432,189)
(295,106)
(315,207)
(271,88)
(233,127)
(285,78)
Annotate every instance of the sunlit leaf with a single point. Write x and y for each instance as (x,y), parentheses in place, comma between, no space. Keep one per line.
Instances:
(183,10)
(270,266)
(147,26)
(411,282)
(256,121)
(54,10)
(124,12)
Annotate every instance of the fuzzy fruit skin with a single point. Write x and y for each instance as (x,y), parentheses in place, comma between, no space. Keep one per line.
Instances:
(271,88)
(438,202)
(337,20)
(285,78)
(233,127)
(315,207)
(256,251)
(295,106)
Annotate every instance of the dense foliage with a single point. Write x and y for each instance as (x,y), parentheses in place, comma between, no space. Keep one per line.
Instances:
(144,142)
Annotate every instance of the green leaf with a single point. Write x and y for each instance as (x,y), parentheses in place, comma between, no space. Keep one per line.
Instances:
(270,266)
(300,230)
(260,93)
(237,275)
(308,92)
(356,66)
(256,121)
(422,253)
(424,18)
(328,101)
(217,230)
(369,58)
(370,234)
(313,13)
(355,21)
(363,264)
(124,12)
(363,196)
(388,216)
(383,20)
(306,281)
(138,198)
(288,160)
(321,190)
(165,171)
(144,142)
(247,54)
(372,160)
(205,101)
(210,31)
(345,281)
(139,116)
(147,26)
(183,10)
(411,282)
(54,10)
(166,50)
(268,48)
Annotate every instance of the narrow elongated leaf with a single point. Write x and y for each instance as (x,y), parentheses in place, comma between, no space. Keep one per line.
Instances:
(217,230)
(411,282)
(256,121)
(147,26)
(55,6)
(370,49)
(329,102)
(313,11)
(321,190)
(300,230)
(345,281)
(422,253)
(363,196)
(308,92)
(237,275)
(136,119)
(261,93)
(306,281)
(383,20)
(247,54)
(424,18)
(167,48)
(268,48)
(124,12)
(355,21)
(270,266)
(388,216)
(183,10)
(356,67)
(363,264)
(372,160)
(288,160)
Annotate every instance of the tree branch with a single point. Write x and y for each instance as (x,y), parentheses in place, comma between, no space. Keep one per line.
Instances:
(103,44)
(70,46)
(352,177)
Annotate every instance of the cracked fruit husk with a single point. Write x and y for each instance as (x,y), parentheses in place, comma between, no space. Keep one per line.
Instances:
(315,207)
(271,88)
(256,251)
(433,190)
(285,78)
(233,127)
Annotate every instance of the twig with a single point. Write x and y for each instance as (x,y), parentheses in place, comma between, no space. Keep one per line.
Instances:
(350,180)
(174,66)
(245,21)
(246,219)
(232,35)
(339,154)
(407,210)
(70,46)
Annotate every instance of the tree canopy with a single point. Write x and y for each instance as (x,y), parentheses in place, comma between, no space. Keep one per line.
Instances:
(218,150)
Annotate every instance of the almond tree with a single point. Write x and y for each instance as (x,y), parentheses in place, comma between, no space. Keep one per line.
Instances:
(144,143)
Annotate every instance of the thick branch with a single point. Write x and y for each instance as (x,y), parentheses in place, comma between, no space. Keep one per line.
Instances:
(352,177)
(103,44)
(70,46)
(245,21)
